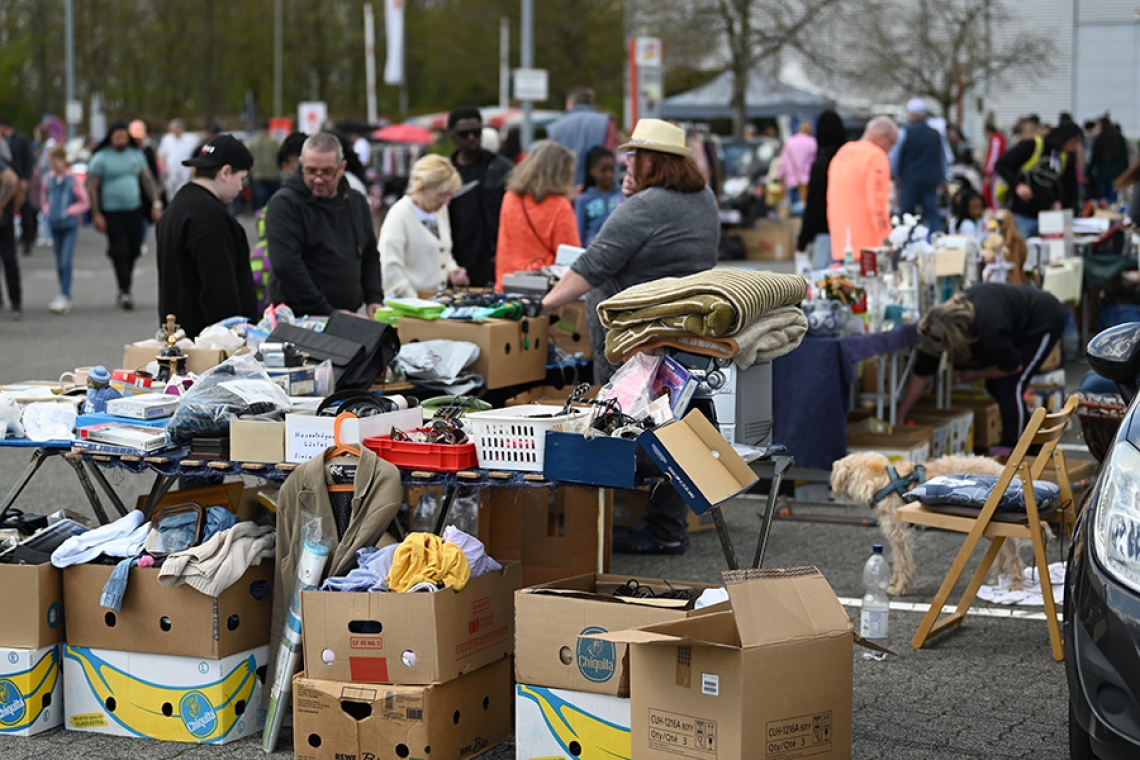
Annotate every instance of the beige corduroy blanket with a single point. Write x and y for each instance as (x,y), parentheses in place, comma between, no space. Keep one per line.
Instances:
(711,304)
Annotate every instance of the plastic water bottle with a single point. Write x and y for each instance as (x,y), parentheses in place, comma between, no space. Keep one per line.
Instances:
(876,609)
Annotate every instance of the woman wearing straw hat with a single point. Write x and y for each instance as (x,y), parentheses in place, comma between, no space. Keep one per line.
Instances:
(668,227)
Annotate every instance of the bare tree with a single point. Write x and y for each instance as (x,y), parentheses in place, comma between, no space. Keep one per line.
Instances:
(751,32)
(939,49)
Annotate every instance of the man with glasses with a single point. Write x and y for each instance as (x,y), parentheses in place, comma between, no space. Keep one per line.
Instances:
(320,238)
(475,207)
(859,190)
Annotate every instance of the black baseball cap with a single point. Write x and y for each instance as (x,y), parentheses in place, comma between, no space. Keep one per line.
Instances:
(221,150)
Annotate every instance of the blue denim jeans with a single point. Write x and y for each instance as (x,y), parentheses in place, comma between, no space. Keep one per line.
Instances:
(63,242)
(1026,225)
(913,195)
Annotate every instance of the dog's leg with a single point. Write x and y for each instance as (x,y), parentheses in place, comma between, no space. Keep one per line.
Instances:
(898,536)
(1009,563)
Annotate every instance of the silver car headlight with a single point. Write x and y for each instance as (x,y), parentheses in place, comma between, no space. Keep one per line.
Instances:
(1116,531)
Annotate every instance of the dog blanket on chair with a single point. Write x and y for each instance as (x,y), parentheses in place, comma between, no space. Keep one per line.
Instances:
(713,304)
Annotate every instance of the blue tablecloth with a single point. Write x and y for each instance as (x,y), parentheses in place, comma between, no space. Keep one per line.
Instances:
(811,390)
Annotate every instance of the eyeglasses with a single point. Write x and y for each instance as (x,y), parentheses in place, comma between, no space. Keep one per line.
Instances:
(326,173)
(467,134)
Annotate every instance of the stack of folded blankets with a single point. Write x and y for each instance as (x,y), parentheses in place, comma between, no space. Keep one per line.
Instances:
(749,317)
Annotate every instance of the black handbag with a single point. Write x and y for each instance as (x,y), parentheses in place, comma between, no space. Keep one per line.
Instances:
(360,349)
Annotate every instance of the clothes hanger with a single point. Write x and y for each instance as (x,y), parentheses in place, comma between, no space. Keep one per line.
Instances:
(341,449)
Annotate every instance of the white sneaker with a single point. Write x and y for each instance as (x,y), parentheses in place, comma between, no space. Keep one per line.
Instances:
(61,304)
(43,243)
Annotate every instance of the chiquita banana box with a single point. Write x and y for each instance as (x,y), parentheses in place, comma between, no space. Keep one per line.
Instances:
(31,690)
(180,699)
(558,723)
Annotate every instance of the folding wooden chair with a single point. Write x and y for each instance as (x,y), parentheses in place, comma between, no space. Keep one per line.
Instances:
(1044,430)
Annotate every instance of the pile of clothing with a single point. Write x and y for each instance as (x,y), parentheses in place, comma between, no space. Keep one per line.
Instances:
(422,562)
(206,548)
(749,317)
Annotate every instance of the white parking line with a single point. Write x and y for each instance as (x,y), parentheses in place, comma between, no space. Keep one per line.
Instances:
(1016,613)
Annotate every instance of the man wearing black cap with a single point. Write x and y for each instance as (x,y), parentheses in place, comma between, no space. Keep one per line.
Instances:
(474,209)
(203,253)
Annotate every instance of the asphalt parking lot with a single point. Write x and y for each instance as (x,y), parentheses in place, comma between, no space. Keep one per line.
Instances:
(990,689)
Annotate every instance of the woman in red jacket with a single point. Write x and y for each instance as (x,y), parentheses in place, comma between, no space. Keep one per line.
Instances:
(537,215)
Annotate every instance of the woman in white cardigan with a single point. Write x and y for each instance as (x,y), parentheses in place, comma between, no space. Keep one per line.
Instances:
(415,239)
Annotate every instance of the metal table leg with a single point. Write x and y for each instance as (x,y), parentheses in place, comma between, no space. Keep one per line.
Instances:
(89,489)
(162,486)
(449,494)
(39,456)
(725,539)
(101,479)
(783,464)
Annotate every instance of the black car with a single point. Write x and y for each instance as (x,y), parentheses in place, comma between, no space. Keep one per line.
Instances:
(1102,586)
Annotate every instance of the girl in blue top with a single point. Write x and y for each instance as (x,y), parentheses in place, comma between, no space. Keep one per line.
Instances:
(600,196)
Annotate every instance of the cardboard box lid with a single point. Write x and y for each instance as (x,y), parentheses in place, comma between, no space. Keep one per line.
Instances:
(703,454)
(784,605)
(768,607)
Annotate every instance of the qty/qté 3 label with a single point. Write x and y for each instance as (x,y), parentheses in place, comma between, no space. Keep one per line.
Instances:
(798,737)
(683,734)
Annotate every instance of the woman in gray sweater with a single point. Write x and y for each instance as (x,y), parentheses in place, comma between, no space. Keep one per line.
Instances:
(668,227)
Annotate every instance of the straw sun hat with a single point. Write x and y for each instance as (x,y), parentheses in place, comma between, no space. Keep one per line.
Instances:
(658,135)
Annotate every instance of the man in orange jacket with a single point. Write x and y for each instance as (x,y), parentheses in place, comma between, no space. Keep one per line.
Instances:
(859,190)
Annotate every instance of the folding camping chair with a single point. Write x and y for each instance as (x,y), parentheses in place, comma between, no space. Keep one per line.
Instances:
(1044,430)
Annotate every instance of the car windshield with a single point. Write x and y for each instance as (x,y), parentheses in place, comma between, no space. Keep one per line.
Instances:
(747,158)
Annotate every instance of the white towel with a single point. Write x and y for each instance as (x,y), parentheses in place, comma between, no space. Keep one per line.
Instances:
(123,538)
(215,565)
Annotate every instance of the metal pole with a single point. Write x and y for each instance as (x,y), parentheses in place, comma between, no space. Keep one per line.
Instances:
(370,61)
(504,62)
(69,45)
(527,62)
(278,31)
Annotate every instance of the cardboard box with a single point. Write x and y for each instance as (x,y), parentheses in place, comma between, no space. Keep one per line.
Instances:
(771,239)
(234,496)
(257,440)
(600,727)
(295,381)
(912,443)
(552,533)
(630,506)
(546,394)
(551,619)
(334,720)
(510,353)
(307,435)
(179,621)
(198,360)
(570,331)
(950,429)
(410,638)
(31,690)
(700,463)
(33,595)
(178,699)
(987,418)
(694,687)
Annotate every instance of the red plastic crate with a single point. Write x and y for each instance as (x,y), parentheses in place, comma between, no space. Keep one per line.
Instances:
(436,457)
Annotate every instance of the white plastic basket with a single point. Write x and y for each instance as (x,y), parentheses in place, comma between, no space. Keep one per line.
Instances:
(515,438)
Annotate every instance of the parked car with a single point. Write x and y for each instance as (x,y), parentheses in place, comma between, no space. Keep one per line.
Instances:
(741,201)
(1102,584)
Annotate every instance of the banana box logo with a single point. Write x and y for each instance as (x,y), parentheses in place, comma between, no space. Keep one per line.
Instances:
(578,732)
(20,709)
(595,658)
(171,713)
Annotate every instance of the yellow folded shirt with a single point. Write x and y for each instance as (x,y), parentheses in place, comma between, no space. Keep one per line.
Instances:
(427,557)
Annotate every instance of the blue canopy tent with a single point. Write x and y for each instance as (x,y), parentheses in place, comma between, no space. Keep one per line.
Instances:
(766,97)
